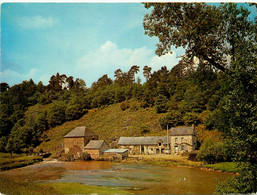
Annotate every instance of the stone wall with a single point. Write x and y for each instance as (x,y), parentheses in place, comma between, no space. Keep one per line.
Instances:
(94,153)
(112,156)
(71,144)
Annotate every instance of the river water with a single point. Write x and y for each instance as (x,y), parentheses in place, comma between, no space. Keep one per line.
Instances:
(135,178)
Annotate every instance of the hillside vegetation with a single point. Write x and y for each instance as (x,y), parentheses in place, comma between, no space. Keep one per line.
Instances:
(110,123)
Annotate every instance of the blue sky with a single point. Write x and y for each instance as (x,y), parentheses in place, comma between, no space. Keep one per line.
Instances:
(83,40)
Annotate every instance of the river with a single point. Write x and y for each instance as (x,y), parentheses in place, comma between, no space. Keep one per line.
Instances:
(135,178)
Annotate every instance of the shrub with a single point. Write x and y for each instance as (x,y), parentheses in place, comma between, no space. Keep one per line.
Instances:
(213,151)
(245,183)
(86,156)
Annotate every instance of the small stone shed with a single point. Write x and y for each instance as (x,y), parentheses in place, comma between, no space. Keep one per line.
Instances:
(96,148)
(144,145)
(75,141)
(183,139)
(116,153)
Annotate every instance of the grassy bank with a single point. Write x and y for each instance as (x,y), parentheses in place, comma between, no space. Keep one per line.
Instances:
(164,160)
(7,163)
(8,186)
(177,160)
(230,167)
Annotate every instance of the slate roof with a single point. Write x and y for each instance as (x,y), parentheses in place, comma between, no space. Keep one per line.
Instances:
(80,132)
(115,151)
(142,140)
(94,144)
(182,131)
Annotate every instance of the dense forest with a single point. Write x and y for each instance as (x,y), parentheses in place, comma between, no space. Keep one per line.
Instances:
(214,86)
(185,96)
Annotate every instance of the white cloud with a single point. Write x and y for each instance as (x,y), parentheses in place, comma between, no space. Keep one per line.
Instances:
(36,22)
(108,58)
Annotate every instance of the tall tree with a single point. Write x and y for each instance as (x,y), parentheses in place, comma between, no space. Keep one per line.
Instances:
(225,39)
(147,72)
(208,32)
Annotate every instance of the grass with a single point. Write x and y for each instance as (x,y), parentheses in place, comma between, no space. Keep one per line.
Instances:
(224,166)
(8,186)
(7,163)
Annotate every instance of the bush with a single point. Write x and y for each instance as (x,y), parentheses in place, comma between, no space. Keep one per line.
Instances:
(245,183)
(213,151)
(86,156)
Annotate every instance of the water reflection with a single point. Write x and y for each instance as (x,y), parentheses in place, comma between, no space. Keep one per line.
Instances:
(136,178)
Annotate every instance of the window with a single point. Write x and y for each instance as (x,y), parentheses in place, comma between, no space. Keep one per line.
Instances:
(176,139)
(160,144)
(182,139)
(182,147)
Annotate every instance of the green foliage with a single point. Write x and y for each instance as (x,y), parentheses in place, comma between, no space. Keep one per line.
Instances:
(245,183)
(172,119)
(213,150)
(160,104)
(191,118)
(56,114)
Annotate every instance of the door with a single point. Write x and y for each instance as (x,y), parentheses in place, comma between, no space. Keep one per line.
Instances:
(175,149)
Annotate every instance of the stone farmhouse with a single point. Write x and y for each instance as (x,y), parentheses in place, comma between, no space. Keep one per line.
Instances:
(181,139)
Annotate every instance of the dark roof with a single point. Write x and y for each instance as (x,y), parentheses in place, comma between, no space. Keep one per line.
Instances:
(182,131)
(94,144)
(115,151)
(80,132)
(142,140)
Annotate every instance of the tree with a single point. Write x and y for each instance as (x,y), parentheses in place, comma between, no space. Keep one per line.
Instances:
(4,87)
(208,32)
(147,72)
(225,39)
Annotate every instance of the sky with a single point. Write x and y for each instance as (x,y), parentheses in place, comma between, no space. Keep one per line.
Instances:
(83,40)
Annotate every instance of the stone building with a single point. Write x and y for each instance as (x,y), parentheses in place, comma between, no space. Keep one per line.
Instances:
(182,139)
(116,153)
(75,141)
(144,145)
(96,148)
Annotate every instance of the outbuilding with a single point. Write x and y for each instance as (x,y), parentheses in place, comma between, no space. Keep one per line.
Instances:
(116,153)
(96,148)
